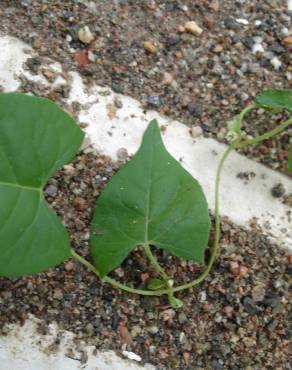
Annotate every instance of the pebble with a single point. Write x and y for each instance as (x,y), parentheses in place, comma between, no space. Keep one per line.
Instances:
(276,63)
(278,191)
(258,292)
(287,41)
(193,27)
(182,318)
(153,329)
(230,23)
(51,190)
(122,154)
(153,101)
(79,203)
(85,35)
(58,294)
(150,47)
(90,330)
(250,306)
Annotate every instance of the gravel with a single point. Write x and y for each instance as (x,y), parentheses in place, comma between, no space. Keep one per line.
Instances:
(217,71)
(237,319)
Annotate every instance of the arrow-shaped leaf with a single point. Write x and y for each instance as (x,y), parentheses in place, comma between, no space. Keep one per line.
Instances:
(36,139)
(151,200)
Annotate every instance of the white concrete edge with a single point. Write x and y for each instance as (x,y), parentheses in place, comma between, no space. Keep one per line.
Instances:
(41,353)
(110,129)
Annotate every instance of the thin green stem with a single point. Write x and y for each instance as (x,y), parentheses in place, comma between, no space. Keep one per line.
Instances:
(111,281)
(238,143)
(266,135)
(246,110)
(211,261)
(155,263)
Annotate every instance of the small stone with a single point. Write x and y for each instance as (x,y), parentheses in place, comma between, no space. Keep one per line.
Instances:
(181,29)
(153,329)
(167,78)
(249,306)
(90,330)
(182,318)
(215,5)
(153,101)
(79,203)
(58,294)
(186,356)
(276,63)
(124,334)
(278,191)
(122,154)
(258,292)
(230,23)
(68,168)
(118,103)
(218,49)
(228,310)
(193,27)
(287,41)
(69,266)
(195,109)
(51,190)
(185,100)
(85,35)
(150,47)
(136,330)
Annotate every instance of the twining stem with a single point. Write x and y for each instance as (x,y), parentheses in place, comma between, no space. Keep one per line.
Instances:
(237,144)
(266,135)
(109,280)
(155,263)
(170,290)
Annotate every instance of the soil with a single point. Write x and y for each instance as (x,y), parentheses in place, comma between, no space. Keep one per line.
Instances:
(201,79)
(238,318)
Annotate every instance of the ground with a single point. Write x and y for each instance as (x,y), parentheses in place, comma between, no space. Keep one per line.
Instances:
(238,318)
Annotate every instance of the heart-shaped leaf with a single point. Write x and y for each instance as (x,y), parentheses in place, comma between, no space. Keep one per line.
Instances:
(36,139)
(152,200)
(290,160)
(275,99)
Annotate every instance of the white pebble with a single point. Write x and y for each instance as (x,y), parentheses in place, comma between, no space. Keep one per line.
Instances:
(242,21)
(196,131)
(276,63)
(132,356)
(289,4)
(257,48)
(257,22)
(85,35)
(193,27)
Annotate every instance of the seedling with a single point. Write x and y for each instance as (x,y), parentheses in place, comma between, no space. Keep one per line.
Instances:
(152,202)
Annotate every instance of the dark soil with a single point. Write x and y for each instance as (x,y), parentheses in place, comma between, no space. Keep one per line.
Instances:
(203,80)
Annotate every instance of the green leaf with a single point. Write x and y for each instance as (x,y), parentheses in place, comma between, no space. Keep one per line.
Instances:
(155,284)
(36,139)
(175,302)
(275,99)
(151,200)
(290,160)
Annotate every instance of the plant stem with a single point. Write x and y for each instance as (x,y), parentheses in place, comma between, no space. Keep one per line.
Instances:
(237,144)
(111,281)
(155,263)
(152,258)
(266,135)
